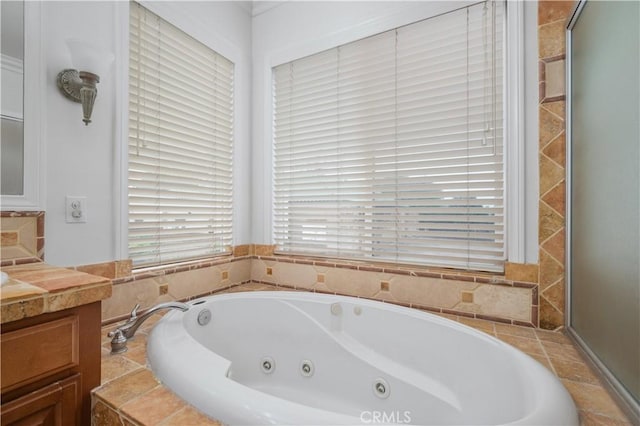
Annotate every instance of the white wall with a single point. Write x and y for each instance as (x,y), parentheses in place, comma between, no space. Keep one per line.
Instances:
(296,29)
(83,160)
(78,158)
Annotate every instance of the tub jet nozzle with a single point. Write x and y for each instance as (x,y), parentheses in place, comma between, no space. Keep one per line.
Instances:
(267,365)
(381,388)
(306,368)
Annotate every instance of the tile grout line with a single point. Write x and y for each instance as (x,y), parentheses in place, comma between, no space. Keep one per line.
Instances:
(546,355)
(172,415)
(132,401)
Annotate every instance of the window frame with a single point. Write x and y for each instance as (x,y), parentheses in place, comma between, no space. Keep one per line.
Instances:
(515,165)
(522,245)
(33,197)
(176,16)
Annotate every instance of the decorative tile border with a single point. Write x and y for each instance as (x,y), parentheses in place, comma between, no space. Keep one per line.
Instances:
(184,300)
(176,268)
(433,309)
(552,16)
(399,269)
(121,271)
(111,270)
(182,282)
(552,79)
(467,293)
(22,237)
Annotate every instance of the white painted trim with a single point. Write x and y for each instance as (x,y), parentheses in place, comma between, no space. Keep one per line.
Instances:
(514,134)
(403,14)
(531,130)
(268,171)
(174,13)
(121,113)
(34,101)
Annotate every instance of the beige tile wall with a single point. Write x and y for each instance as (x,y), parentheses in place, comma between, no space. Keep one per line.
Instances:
(163,285)
(475,295)
(510,298)
(552,16)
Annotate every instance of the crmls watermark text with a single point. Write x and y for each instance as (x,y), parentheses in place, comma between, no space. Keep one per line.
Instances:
(385,417)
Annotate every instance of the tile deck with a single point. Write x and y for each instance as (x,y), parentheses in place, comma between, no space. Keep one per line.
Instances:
(131,395)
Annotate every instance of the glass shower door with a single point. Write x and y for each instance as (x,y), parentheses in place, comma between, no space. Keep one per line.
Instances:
(604,191)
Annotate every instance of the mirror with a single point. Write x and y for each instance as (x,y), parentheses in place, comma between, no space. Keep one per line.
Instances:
(12,116)
(20,148)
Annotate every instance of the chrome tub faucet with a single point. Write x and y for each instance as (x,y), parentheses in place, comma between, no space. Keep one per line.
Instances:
(126,331)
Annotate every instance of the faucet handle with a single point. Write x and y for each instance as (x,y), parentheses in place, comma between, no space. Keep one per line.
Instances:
(119,342)
(117,333)
(134,312)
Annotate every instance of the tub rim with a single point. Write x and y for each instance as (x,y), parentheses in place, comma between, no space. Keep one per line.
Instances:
(171,333)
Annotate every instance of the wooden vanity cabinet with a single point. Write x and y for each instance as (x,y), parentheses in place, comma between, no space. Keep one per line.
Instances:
(49,365)
(55,404)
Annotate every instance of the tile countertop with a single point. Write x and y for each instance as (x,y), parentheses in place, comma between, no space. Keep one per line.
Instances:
(38,288)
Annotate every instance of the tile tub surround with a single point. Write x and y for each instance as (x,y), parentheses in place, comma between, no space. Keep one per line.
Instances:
(511,298)
(22,237)
(182,282)
(38,288)
(111,270)
(130,395)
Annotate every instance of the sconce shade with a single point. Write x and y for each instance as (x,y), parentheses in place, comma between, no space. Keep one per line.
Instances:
(87,57)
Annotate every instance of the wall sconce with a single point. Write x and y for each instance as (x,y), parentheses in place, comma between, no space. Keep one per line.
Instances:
(79,84)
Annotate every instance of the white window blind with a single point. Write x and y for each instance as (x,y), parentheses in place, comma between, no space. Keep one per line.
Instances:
(391,148)
(180,144)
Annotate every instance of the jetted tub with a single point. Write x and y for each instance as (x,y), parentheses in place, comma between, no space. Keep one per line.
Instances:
(306,359)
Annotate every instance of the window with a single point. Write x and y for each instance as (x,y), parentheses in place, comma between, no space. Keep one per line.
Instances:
(180,144)
(391,148)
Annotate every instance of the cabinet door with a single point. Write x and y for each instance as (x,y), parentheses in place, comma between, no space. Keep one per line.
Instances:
(38,351)
(53,405)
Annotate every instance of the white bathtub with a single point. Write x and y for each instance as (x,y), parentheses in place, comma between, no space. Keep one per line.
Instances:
(329,354)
